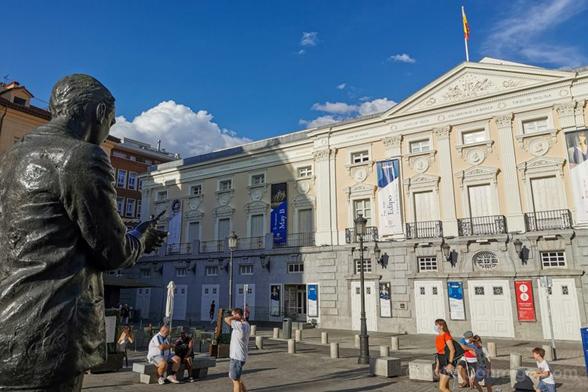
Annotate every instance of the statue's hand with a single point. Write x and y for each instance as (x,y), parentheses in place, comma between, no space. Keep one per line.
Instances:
(153,239)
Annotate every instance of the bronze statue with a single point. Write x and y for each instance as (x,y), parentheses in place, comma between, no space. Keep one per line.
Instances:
(59,230)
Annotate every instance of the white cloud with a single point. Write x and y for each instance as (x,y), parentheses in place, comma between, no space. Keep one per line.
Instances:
(402,58)
(180,129)
(341,111)
(301,51)
(309,39)
(522,34)
(341,86)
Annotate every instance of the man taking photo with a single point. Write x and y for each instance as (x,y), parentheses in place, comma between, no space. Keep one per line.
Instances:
(239,347)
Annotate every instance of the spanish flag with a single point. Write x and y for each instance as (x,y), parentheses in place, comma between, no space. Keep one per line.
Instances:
(466,26)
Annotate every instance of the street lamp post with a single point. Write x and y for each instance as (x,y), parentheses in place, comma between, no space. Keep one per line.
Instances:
(232,242)
(364,348)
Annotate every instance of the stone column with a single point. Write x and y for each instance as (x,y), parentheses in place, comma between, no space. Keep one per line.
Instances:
(325,188)
(276,333)
(447,198)
(394,344)
(513,206)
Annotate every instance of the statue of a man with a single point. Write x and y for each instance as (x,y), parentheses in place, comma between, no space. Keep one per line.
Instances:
(59,229)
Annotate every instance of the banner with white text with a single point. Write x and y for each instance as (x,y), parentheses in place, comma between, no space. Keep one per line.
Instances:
(578,159)
(389,210)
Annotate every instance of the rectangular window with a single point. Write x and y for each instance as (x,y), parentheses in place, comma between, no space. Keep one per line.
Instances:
(130,207)
(193,231)
(295,268)
(360,157)
(139,209)
(225,185)
(121,178)
(474,136)
(133,180)
(420,146)
(536,125)
(428,263)
(367,265)
(480,200)
(553,259)
(140,184)
(256,222)
(257,179)
(305,221)
(305,172)
(145,272)
(211,270)
(246,269)
(363,207)
(161,196)
(180,272)
(120,204)
(424,206)
(546,192)
(196,190)
(19,101)
(224,226)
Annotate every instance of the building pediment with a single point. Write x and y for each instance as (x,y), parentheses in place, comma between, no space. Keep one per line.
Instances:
(422,181)
(257,207)
(472,81)
(542,165)
(478,173)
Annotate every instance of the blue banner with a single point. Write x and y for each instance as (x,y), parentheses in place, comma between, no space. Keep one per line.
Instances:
(455,294)
(312,300)
(279,213)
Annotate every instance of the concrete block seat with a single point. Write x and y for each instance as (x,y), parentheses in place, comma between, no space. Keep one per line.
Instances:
(421,369)
(385,367)
(200,365)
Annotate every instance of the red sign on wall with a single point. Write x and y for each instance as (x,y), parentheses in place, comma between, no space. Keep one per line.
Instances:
(525,301)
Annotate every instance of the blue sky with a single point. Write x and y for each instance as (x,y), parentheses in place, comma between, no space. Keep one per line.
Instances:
(203,75)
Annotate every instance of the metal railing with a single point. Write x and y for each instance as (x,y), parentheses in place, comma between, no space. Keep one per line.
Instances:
(548,220)
(481,225)
(371,234)
(213,246)
(297,240)
(178,249)
(248,243)
(426,229)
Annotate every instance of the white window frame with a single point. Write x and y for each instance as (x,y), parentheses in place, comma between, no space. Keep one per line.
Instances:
(535,121)
(371,221)
(264,228)
(181,272)
(130,202)
(211,270)
(223,180)
(479,175)
(427,264)
(304,171)
(482,132)
(546,167)
(246,269)
(132,175)
(295,268)
(550,257)
(196,187)
(367,265)
(520,118)
(360,157)
(118,173)
(420,142)
(158,195)
(254,175)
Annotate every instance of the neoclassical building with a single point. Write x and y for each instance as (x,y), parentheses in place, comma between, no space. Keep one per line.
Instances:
(475,191)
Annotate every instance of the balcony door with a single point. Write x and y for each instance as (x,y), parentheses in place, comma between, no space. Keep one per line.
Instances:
(480,198)
(256,225)
(547,195)
(424,207)
(193,231)
(305,221)
(224,226)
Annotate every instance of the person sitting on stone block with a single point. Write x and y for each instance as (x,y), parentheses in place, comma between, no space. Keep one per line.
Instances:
(161,356)
(184,350)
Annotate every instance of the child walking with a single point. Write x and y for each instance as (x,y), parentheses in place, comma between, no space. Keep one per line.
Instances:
(482,366)
(543,372)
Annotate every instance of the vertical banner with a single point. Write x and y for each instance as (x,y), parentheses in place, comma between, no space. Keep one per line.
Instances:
(312,293)
(525,300)
(390,214)
(456,307)
(279,212)
(578,159)
(175,226)
(275,300)
(385,306)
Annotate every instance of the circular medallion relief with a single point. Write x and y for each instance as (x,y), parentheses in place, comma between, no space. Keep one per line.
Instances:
(421,165)
(360,175)
(194,203)
(475,157)
(223,200)
(256,195)
(486,260)
(303,187)
(564,93)
(538,147)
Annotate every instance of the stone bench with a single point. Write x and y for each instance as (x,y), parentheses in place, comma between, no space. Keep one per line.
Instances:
(385,367)
(200,365)
(421,369)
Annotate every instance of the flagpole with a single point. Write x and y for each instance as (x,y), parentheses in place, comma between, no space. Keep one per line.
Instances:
(465,37)
(466,49)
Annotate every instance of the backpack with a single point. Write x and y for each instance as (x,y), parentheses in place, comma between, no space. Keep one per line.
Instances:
(459,351)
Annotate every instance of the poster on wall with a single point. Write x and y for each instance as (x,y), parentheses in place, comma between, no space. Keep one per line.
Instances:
(279,212)
(455,294)
(110,323)
(525,300)
(390,221)
(385,305)
(312,294)
(578,159)
(275,300)
(175,226)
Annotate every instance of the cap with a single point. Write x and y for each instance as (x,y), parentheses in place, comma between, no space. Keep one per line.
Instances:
(468,334)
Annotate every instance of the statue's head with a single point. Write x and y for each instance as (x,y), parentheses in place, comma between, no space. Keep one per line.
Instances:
(84,101)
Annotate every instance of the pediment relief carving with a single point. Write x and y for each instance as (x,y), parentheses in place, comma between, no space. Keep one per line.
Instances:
(301,201)
(542,164)
(257,206)
(422,181)
(223,211)
(477,173)
(361,189)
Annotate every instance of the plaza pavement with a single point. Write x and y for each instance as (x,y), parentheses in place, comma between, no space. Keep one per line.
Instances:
(311,369)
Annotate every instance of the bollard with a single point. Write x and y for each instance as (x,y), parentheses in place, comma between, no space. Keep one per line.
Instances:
(253,330)
(548,352)
(356,341)
(276,334)
(291,346)
(334,350)
(384,351)
(298,335)
(491,350)
(259,342)
(515,361)
(324,338)
(394,344)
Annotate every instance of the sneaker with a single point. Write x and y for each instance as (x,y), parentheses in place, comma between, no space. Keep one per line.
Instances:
(172,378)
(191,379)
(161,381)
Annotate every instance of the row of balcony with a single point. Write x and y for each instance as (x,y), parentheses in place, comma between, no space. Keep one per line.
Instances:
(482,225)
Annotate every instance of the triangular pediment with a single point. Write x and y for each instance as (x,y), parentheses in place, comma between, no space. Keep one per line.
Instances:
(473,81)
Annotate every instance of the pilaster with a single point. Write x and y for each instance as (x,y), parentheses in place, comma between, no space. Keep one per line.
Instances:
(448,216)
(324,158)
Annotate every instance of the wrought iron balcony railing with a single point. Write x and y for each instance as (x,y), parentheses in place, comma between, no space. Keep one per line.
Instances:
(297,240)
(481,225)
(213,246)
(371,234)
(249,243)
(178,249)
(548,220)
(426,229)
